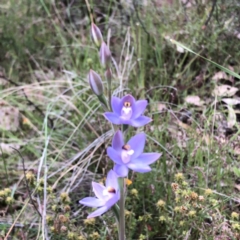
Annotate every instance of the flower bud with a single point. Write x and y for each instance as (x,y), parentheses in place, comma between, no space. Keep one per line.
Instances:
(95,82)
(96,35)
(105,55)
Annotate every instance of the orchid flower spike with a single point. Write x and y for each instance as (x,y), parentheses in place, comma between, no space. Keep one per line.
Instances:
(130,155)
(106,196)
(128,111)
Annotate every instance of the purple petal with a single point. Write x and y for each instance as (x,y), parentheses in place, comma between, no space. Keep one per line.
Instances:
(146,158)
(125,121)
(92,202)
(98,190)
(114,155)
(112,201)
(127,98)
(116,105)
(137,143)
(112,117)
(140,121)
(142,168)
(98,212)
(138,108)
(121,170)
(112,180)
(118,142)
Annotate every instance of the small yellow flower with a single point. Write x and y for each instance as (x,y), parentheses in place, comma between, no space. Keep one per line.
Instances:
(184,184)
(30,176)
(208,192)
(89,221)
(95,235)
(54,208)
(2,193)
(236,226)
(49,219)
(7,191)
(177,209)
(39,189)
(71,236)
(235,216)
(81,238)
(177,199)
(142,237)
(214,202)
(128,213)
(49,189)
(64,197)
(26,121)
(192,213)
(41,182)
(147,216)
(160,204)
(162,219)
(134,192)
(9,200)
(127,181)
(179,177)
(185,193)
(181,223)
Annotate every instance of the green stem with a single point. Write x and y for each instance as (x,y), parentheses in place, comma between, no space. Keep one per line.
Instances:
(103,101)
(122,210)
(115,209)
(108,75)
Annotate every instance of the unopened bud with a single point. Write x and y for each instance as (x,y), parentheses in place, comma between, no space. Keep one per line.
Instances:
(96,35)
(105,55)
(95,82)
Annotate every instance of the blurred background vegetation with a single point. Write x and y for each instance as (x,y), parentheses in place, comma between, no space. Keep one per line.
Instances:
(53,135)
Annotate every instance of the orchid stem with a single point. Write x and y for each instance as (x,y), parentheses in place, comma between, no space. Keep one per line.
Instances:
(108,75)
(115,210)
(121,233)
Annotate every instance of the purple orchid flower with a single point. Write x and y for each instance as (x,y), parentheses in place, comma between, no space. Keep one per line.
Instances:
(130,155)
(105,198)
(128,111)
